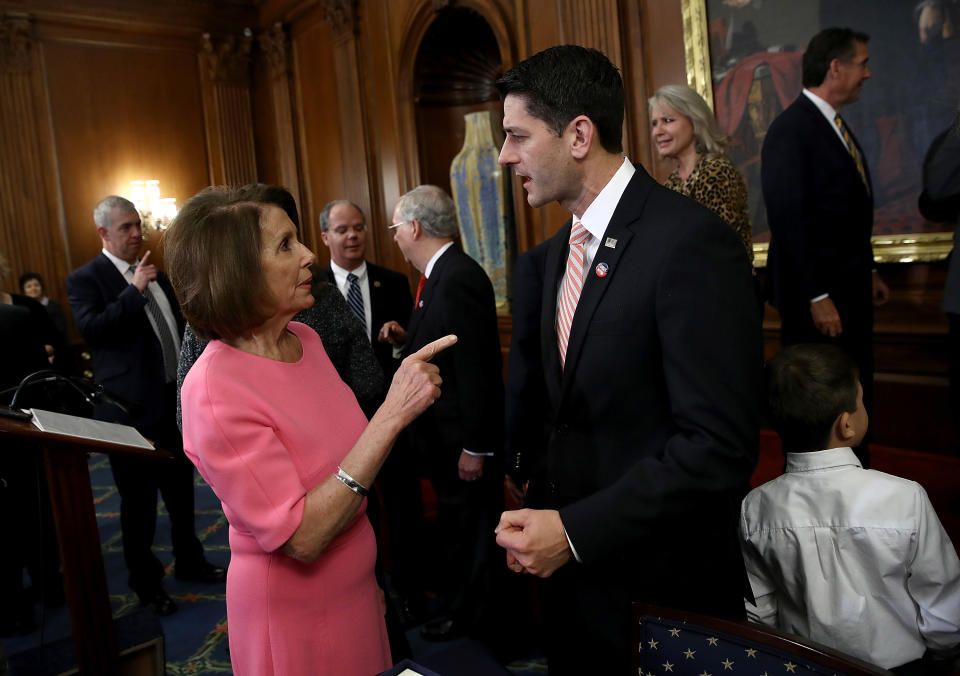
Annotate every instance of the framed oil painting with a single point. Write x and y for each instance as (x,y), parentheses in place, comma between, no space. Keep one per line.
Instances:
(744,57)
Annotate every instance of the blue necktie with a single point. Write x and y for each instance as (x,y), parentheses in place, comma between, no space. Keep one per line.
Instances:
(355,299)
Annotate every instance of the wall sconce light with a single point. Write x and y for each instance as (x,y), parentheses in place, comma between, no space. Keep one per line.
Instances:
(156,212)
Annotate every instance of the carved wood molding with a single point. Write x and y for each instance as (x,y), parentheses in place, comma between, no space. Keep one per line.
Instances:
(17,45)
(228,59)
(274,45)
(343,17)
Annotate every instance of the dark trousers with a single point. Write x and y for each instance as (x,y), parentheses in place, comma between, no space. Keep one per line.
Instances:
(953,362)
(467,513)
(138,481)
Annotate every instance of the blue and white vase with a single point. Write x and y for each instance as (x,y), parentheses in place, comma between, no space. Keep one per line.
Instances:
(481,192)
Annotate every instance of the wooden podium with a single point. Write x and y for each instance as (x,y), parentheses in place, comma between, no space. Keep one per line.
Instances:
(84,580)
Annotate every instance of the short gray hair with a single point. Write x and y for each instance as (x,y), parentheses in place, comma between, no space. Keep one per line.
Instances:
(105,207)
(328,207)
(709,138)
(433,208)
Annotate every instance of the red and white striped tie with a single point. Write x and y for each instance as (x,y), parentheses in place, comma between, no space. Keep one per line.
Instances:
(572,286)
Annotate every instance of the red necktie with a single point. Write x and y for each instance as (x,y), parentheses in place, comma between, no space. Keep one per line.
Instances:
(416,301)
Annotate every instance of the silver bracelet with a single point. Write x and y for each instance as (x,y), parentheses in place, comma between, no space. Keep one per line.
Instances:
(351,483)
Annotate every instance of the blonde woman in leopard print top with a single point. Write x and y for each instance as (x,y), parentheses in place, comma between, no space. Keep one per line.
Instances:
(684,130)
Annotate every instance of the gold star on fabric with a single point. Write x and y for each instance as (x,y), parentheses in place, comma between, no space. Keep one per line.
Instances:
(727,665)
(653,644)
(791,667)
(712,640)
(675,632)
(689,653)
(667,666)
(751,652)
(706,673)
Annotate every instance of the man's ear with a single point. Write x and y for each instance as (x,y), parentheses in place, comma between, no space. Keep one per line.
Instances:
(842,427)
(834,68)
(103,232)
(323,236)
(417,229)
(584,132)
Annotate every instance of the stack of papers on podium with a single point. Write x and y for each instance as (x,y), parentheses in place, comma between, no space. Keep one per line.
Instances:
(85,428)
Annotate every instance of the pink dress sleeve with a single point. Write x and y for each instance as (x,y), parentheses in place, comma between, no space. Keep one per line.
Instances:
(235,448)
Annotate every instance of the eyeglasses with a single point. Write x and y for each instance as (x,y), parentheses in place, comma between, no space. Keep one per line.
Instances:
(359,228)
(396,225)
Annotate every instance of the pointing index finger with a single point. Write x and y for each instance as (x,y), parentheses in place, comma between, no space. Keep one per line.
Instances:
(143,260)
(428,351)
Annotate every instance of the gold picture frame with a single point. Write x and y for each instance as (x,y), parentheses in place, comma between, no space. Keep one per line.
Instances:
(901,248)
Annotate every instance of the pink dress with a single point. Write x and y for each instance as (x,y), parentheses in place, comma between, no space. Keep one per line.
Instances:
(262,433)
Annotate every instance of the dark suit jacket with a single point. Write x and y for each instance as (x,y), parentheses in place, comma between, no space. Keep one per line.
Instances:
(390,299)
(127,357)
(653,420)
(820,215)
(458,298)
(526,392)
(940,200)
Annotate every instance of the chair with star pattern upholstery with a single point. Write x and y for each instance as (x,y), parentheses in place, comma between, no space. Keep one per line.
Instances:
(687,644)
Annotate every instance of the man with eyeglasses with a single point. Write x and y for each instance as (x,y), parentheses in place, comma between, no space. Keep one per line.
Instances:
(375,294)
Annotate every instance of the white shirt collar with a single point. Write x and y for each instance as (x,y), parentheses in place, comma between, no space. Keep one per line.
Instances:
(816,460)
(597,216)
(828,111)
(122,265)
(341,273)
(433,259)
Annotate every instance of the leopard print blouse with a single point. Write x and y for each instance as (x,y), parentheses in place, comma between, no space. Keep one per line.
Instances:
(716,184)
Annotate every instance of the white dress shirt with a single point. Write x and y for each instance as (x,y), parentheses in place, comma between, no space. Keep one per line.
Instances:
(852,558)
(595,219)
(158,295)
(597,216)
(340,276)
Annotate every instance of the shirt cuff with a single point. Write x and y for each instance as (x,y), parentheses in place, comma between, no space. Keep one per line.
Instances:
(573,550)
(476,454)
(820,297)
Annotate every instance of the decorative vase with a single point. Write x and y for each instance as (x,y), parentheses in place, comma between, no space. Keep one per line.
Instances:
(481,192)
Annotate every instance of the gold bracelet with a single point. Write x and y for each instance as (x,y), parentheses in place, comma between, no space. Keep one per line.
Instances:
(351,483)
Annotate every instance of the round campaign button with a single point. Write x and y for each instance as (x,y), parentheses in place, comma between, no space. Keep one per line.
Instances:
(602,269)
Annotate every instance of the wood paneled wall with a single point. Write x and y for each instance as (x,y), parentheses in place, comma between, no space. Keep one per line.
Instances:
(95,94)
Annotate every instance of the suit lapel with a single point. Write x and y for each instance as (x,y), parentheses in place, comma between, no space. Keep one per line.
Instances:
(842,152)
(607,262)
(553,273)
(426,295)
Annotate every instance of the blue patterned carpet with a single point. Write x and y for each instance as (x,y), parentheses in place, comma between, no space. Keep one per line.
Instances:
(196,635)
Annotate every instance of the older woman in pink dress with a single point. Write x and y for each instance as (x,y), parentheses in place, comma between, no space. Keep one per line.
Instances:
(282,441)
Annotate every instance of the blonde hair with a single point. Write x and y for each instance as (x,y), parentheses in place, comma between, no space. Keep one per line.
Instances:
(710,139)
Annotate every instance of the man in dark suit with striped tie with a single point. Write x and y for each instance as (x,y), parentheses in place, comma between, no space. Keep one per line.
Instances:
(816,185)
(375,294)
(127,313)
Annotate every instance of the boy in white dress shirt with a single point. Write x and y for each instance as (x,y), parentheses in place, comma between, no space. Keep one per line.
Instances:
(851,558)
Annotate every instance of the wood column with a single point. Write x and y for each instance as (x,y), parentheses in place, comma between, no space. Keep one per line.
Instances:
(274,45)
(31,225)
(225,80)
(357,135)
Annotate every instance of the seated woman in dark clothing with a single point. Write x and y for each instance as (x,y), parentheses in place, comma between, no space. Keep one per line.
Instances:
(31,285)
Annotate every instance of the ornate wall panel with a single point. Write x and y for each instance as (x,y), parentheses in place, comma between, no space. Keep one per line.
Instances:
(275,48)
(31,233)
(225,77)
